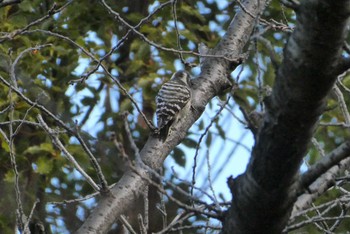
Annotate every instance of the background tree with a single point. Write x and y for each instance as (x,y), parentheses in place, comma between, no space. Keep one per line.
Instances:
(79,80)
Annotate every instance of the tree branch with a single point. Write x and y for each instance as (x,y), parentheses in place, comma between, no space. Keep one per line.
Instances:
(212,80)
(324,164)
(264,195)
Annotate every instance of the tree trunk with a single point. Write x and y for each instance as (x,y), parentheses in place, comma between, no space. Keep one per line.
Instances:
(264,196)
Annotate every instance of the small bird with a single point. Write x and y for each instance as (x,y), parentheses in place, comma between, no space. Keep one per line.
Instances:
(173,97)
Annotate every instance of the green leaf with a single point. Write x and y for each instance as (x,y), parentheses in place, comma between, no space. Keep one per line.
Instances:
(40,149)
(5,146)
(208,139)
(179,156)
(44,165)
(221,131)
(190,142)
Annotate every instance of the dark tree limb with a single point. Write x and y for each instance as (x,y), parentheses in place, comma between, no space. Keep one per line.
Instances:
(264,196)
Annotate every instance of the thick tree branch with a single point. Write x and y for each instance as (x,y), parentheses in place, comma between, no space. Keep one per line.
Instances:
(212,80)
(263,197)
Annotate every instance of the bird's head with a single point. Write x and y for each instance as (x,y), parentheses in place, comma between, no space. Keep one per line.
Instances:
(182,76)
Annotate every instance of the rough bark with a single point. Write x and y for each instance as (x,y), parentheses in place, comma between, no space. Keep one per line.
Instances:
(212,80)
(264,195)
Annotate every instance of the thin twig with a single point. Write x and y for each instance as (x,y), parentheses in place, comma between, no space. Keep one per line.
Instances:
(318,147)
(56,141)
(200,141)
(178,36)
(13,65)
(312,220)
(210,181)
(335,125)
(127,224)
(131,140)
(87,197)
(31,215)
(342,104)
(20,215)
(245,9)
(143,229)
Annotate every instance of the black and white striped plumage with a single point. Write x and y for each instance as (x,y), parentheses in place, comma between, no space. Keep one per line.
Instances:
(173,96)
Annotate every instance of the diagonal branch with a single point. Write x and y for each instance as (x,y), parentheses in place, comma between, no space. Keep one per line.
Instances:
(337,155)
(212,80)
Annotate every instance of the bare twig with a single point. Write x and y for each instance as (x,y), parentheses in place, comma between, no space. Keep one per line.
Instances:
(143,229)
(200,141)
(20,215)
(245,9)
(342,104)
(335,125)
(87,197)
(56,141)
(127,224)
(131,140)
(313,220)
(328,161)
(274,25)
(318,147)
(30,216)
(178,35)
(210,181)
(13,66)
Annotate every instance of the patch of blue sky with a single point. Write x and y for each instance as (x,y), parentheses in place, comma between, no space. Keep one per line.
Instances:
(153,6)
(203,10)
(171,25)
(92,37)
(47,82)
(114,42)
(213,26)
(222,4)
(222,18)
(59,225)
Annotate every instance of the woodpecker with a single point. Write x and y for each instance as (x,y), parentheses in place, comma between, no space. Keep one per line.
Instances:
(173,97)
